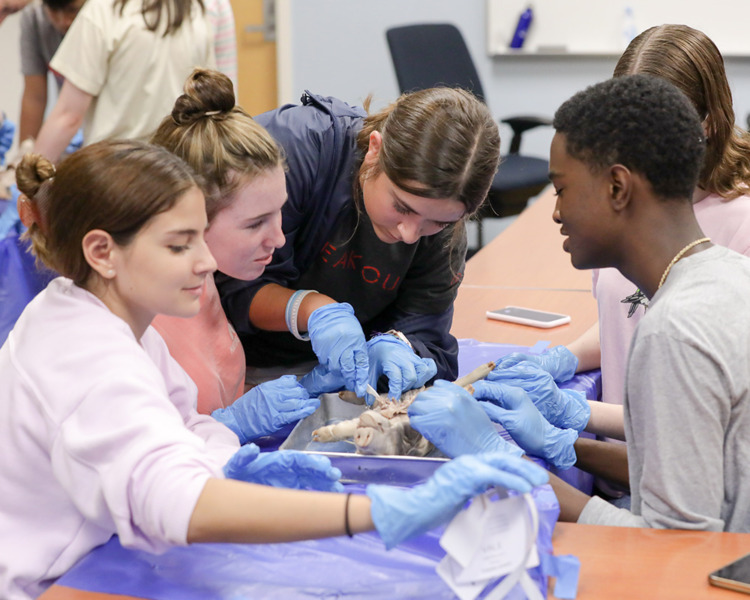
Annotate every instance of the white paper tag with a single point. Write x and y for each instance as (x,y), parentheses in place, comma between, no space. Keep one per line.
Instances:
(448,569)
(484,542)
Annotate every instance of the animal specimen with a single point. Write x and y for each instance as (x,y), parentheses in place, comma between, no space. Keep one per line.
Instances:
(384,429)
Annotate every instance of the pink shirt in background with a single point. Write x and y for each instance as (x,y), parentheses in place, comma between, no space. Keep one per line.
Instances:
(727,223)
(208,348)
(221,17)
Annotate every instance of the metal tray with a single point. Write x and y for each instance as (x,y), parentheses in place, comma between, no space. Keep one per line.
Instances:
(358,468)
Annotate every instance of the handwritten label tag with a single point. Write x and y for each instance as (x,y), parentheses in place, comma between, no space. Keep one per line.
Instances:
(484,542)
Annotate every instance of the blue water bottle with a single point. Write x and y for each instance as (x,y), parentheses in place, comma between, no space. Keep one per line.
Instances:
(522,28)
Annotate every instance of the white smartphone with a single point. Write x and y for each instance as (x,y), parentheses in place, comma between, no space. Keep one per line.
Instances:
(734,576)
(528,316)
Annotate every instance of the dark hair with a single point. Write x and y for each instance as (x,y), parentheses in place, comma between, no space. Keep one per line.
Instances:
(689,59)
(116,186)
(173,11)
(437,143)
(642,122)
(216,138)
(57,4)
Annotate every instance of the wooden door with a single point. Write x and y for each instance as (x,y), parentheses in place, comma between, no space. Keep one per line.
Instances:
(257,78)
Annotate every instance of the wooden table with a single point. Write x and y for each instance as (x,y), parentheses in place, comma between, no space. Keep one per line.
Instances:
(634,564)
(525,265)
(616,563)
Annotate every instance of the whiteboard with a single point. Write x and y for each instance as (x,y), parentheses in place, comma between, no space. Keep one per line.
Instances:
(597,26)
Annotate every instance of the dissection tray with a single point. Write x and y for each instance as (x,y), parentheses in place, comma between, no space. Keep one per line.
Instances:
(357,468)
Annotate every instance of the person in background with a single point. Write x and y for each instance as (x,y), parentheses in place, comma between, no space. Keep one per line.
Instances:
(124,62)
(98,429)
(9,7)
(375,241)
(43,26)
(244,172)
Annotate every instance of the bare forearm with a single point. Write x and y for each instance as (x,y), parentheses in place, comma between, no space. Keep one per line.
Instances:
(606,420)
(63,122)
(571,499)
(586,349)
(603,459)
(33,105)
(56,133)
(236,512)
(269,305)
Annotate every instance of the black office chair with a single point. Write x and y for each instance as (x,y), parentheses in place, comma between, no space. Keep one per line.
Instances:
(435,54)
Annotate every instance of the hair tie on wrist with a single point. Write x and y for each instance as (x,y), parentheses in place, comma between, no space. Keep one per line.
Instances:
(347,528)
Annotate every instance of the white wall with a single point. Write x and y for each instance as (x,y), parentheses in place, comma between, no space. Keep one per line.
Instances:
(339,49)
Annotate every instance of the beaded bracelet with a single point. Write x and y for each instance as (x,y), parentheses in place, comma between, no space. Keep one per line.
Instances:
(292,310)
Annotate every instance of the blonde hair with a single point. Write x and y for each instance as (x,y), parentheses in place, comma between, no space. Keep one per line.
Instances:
(688,59)
(116,186)
(216,138)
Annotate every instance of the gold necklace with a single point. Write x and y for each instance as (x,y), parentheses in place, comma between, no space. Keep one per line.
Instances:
(678,256)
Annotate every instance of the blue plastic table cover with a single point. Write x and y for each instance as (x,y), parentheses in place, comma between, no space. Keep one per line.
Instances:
(341,567)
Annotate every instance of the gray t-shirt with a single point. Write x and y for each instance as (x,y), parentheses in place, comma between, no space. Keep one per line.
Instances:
(39,42)
(687,402)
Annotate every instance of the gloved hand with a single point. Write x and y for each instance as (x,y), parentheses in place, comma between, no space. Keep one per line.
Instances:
(559,362)
(267,408)
(7,130)
(404,369)
(516,412)
(321,381)
(448,416)
(400,514)
(284,468)
(75,143)
(567,409)
(339,343)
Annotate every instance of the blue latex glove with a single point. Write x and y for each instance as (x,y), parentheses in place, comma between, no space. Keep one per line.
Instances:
(559,362)
(322,381)
(7,130)
(404,369)
(339,343)
(400,514)
(567,409)
(516,412)
(448,416)
(267,408)
(75,143)
(284,468)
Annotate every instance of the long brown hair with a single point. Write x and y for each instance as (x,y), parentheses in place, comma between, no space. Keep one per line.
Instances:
(216,138)
(116,186)
(437,143)
(688,59)
(174,12)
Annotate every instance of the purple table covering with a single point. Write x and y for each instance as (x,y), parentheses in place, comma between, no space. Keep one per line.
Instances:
(359,567)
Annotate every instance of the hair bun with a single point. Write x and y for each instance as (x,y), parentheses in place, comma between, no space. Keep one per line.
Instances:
(33,171)
(207,93)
